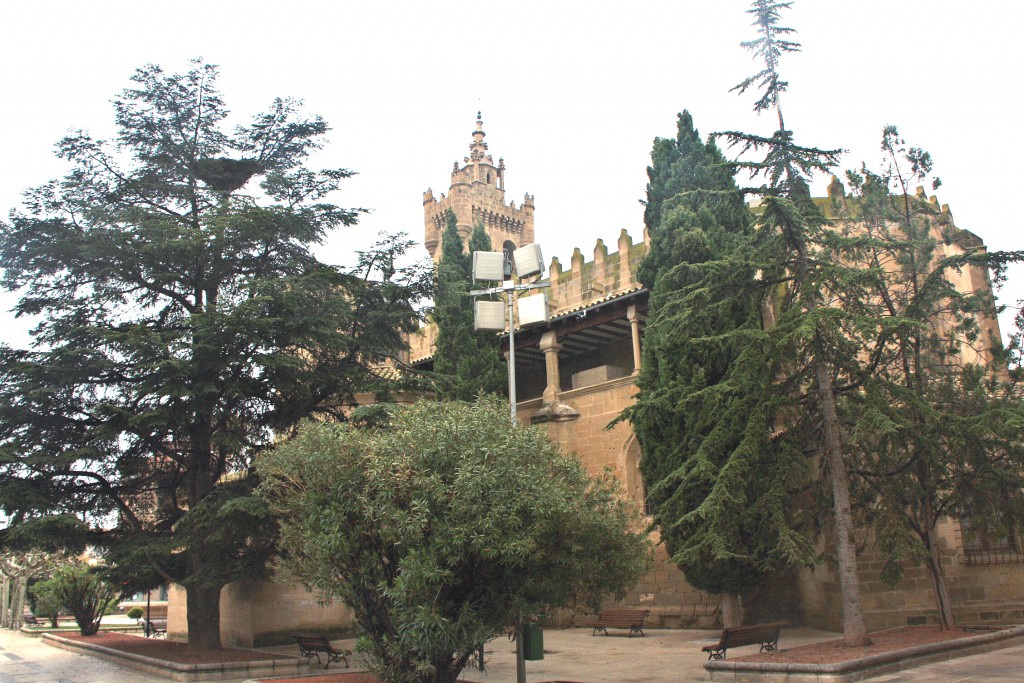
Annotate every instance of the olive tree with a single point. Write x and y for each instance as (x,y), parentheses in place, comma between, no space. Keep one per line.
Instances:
(445,527)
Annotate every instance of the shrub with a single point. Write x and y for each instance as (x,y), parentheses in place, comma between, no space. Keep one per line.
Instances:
(47,601)
(84,592)
(444,527)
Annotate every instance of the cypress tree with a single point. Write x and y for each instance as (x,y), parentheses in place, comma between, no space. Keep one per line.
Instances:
(720,493)
(466,363)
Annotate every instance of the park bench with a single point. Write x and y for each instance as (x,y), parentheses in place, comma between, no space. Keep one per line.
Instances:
(620,617)
(153,627)
(30,620)
(314,645)
(767,635)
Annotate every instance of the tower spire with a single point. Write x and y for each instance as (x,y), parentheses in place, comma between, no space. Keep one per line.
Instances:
(477,196)
(478,148)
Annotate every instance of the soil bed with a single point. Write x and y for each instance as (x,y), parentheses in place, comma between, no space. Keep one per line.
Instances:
(834,651)
(340,677)
(171,651)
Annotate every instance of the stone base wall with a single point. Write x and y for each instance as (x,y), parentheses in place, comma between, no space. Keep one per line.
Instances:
(258,614)
(672,601)
(991,594)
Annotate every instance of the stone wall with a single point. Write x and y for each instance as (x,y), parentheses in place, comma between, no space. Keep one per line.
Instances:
(988,592)
(257,614)
(672,601)
(588,281)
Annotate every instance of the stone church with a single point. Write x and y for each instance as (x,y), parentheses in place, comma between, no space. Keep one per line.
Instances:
(575,374)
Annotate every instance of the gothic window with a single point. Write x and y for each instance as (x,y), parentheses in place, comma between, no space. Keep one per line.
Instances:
(508,247)
(989,545)
(635,484)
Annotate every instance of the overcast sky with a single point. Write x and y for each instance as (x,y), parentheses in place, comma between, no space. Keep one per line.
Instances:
(572,94)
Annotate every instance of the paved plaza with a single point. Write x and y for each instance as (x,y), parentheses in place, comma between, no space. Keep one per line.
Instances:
(663,656)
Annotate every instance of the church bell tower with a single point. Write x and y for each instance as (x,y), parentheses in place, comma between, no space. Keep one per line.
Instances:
(477,196)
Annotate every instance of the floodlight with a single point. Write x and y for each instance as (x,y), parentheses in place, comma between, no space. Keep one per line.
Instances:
(489,316)
(489,265)
(528,260)
(533,309)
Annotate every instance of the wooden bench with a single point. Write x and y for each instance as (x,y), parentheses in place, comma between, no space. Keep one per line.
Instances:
(767,635)
(620,617)
(153,628)
(29,620)
(314,645)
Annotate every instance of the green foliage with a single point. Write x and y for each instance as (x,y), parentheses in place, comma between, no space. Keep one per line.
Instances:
(467,364)
(880,347)
(85,593)
(46,601)
(445,528)
(720,486)
(936,424)
(135,613)
(184,323)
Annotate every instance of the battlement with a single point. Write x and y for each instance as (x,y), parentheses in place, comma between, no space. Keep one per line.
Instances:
(585,283)
(837,204)
(607,276)
(475,203)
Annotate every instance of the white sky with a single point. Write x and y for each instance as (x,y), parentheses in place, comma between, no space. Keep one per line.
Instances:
(572,93)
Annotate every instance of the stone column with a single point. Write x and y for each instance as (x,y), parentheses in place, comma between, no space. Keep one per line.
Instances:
(550,346)
(634,323)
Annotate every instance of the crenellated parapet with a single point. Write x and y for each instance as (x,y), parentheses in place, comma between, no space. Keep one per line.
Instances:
(607,276)
(476,195)
(948,239)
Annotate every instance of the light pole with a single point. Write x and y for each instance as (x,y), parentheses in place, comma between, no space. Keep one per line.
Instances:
(490,316)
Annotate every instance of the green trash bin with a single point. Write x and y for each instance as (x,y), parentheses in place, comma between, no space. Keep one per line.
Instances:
(533,641)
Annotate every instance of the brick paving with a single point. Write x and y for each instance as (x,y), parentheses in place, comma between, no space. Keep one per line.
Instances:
(664,656)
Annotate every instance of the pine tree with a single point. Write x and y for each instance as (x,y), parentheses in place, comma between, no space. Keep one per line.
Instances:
(185,326)
(721,494)
(876,330)
(937,425)
(467,363)
(798,251)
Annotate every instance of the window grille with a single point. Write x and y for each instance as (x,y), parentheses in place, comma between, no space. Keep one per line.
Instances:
(989,545)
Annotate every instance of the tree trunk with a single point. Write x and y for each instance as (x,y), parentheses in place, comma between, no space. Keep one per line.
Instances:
(732,610)
(946,620)
(18,602)
(520,651)
(203,606)
(854,631)
(5,602)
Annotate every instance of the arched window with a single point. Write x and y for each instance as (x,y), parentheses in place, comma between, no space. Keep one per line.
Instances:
(635,485)
(510,267)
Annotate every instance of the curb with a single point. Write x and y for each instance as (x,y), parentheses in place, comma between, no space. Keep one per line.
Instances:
(873,665)
(217,671)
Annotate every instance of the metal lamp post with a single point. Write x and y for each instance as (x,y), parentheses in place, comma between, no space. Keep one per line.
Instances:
(490,316)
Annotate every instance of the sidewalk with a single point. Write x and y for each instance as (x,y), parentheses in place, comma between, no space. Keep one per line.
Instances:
(663,656)
(25,659)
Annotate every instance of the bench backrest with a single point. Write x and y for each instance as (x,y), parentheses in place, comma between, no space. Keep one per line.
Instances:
(313,641)
(624,612)
(751,635)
